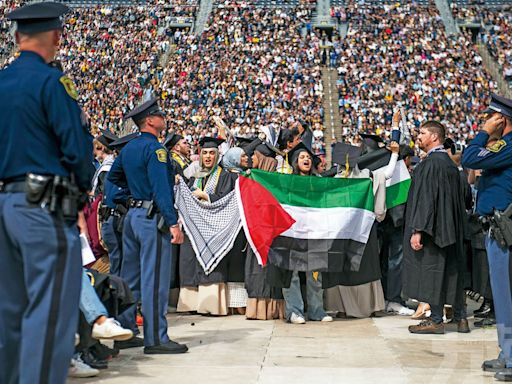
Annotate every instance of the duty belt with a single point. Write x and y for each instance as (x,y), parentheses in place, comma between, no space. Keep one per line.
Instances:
(12,187)
(140,203)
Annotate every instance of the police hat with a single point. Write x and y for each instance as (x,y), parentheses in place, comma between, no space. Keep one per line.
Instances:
(501,105)
(106,138)
(38,17)
(122,141)
(171,140)
(149,108)
(210,142)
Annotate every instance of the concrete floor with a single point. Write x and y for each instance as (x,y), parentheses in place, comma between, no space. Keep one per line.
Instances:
(378,350)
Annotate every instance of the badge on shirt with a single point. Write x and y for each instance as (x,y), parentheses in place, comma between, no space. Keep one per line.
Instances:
(497,146)
(161,154)
(69,86)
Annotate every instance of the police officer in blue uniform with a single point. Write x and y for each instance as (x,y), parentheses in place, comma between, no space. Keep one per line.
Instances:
(45,169)
(491,151)
(150,226)
(114,209)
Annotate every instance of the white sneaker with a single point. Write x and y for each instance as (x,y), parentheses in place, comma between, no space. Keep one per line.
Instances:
(326,319)
(79,369)
(112,330)
(296,319)
(399,309)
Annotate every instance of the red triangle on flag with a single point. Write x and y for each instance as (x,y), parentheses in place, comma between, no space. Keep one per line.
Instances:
(263,217)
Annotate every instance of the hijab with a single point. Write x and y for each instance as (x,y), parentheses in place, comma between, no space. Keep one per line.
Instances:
(231,159)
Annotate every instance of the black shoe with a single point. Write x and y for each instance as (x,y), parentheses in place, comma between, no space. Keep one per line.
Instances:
(170,348)
(504,375)
(484,309)
(134,342)
(486,322)
(102,352)
(92,361)
(494,365)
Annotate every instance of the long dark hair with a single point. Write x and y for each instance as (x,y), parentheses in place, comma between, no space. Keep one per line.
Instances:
(295,164)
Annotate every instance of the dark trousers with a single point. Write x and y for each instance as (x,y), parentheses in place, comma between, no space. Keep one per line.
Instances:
(40,279)
(393,254)
(113,241)
(499,267)
(146,268)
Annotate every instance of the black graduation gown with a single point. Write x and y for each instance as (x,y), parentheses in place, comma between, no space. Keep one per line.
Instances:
(191,272)
(435,207)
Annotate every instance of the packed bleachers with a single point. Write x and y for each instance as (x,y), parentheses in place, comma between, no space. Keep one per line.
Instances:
(253,66)
(390,58)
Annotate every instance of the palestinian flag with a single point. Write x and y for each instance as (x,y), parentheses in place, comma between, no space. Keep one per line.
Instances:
(328,226)
(397,188)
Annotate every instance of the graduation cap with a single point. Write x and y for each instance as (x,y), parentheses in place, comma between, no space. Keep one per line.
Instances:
(171,140)
(38,17)
(122,141)
(251,147)
(501,105)
(266,149)
(149,108)
(210,142)
(343,152)
(371,142)
(106,138)
(295,151)
(243,142)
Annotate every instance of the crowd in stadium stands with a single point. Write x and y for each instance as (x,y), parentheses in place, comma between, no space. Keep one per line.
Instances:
(6,39)
(253,67)
(390,58)
(112,54)
(498,41)
(339,13)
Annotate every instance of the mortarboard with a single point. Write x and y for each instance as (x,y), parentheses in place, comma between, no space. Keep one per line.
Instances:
(343,151)
(371,142)
(501,105)
(149,108)
(242,142)
(171,140)
(38,17)
(251,147)
(210,142)
(293,154)
(122,141)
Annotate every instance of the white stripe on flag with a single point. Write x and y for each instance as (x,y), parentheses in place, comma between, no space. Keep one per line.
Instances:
(330,223)
(401,173)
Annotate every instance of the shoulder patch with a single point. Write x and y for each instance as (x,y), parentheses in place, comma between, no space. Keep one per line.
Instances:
(497,146)
(161,154)
(69,86)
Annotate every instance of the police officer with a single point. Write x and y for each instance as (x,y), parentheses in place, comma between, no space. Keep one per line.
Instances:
(149,228)
(40,271)
(114,209)
(491,151)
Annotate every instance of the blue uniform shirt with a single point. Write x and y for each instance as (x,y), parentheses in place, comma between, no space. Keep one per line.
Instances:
(495,184)
(41,123)
(115,195)
(144,168)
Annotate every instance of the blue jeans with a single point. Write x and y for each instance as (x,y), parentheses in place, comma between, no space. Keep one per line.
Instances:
(499,259)
(90,304)
(293,297)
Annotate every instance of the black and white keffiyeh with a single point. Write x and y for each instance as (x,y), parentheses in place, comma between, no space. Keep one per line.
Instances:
(211,227)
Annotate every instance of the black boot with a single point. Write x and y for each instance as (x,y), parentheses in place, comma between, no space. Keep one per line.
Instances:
(92,361)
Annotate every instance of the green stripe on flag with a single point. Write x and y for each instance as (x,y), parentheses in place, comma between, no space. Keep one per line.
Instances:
(317,192)
(396,194)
